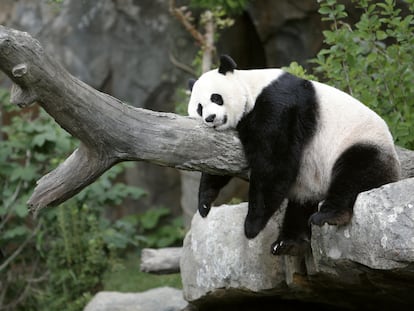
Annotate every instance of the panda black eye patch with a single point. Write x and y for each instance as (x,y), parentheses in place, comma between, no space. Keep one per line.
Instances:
(200,110)
(217,99)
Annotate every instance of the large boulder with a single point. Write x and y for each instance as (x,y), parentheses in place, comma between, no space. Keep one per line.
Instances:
(368,263)
(216,254)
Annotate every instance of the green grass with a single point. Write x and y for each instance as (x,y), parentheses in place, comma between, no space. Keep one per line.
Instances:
(130,279)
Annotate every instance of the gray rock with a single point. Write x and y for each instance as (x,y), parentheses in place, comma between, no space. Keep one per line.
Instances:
(158,299)
(407,162)
(217,255)
(370,261)
(381,234)
(287,29)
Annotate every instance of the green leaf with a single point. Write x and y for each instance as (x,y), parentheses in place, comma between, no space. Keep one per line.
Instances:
(325,10)
(27,173)
(17,231)
(21,209)
(151,218)
(381,35)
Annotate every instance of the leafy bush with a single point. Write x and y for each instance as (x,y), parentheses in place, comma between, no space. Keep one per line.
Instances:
(373,60)
(158,230)
(57,261)
(76,258)
(23,148)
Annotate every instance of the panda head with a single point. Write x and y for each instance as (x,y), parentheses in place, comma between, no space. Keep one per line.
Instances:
(218,97)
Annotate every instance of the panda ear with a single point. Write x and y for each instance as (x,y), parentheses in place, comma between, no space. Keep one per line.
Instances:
(227,64)
(190,84)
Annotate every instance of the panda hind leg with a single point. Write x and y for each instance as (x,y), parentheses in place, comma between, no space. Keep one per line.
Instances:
(360,168)
(294,238)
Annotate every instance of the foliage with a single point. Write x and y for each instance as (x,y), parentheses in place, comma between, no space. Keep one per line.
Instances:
(87,246)
(297,70)
(229,6)
(75,259)
(24,144)
(222,12)
(158,230)
(153,228)
(131,279)
(372,60)
(58,261)
(181,98)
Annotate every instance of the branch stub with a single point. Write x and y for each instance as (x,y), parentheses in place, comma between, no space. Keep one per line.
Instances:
(19,70)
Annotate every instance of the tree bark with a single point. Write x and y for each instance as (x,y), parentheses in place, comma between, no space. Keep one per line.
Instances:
(110,131)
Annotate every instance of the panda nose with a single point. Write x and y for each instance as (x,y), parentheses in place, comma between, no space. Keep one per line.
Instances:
(210,118)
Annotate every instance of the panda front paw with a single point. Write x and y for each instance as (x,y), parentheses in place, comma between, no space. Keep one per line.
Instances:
(204,208)
(290,247)
(253,225)
(251,230)
(256,221)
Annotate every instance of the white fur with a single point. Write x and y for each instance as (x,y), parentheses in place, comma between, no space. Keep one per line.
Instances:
(238,89)
(343,121)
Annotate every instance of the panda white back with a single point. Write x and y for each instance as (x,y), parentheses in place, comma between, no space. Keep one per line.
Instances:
(342,122)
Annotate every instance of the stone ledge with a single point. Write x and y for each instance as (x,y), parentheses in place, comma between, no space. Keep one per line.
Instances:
(368,263)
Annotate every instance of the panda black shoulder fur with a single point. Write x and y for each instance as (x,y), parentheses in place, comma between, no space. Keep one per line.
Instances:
(303,140)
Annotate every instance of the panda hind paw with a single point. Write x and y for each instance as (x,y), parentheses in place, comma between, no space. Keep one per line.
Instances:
(331,217)
(291,247)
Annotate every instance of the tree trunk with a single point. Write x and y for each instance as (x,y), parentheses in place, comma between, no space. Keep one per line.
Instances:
(111,131)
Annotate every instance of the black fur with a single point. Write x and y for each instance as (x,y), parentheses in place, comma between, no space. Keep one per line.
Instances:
(217,99)
(190,84)
(210,186)
(360,168)
(227,64)
(294,237)
(273,135)
(200,110)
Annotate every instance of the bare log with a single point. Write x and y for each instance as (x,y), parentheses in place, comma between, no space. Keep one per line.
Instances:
(109,130)
(161,261)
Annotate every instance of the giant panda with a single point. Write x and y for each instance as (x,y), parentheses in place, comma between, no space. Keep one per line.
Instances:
(304,141)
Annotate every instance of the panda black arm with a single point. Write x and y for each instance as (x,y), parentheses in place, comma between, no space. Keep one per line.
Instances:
(210,186)
(273,135)
(274,163)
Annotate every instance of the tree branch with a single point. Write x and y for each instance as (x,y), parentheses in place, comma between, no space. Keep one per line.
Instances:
(109,130)
(186,20)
